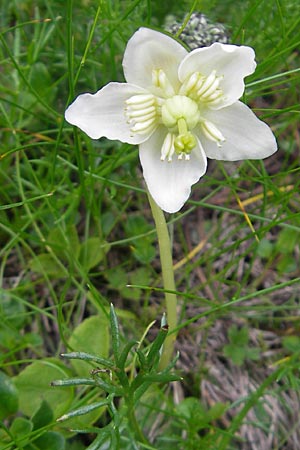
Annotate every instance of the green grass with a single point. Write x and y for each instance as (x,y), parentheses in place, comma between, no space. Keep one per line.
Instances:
(76,230)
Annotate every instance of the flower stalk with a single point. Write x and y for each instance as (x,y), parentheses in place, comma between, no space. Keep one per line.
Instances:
(166,260)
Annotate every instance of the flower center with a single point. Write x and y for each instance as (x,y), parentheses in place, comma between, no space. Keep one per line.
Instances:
(179,113)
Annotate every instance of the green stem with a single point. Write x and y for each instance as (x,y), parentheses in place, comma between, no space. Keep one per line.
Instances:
(136,427)
(166,261)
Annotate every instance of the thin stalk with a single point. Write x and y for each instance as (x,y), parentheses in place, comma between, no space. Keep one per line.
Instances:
(132,420)
(166,261)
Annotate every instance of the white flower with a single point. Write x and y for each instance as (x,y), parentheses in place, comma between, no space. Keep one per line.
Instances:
(180,108)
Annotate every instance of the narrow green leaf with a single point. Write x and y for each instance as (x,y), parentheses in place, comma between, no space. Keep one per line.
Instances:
(141,390)
(74,382)
(88,357)
(153,354)
(115,333)
(172,364)
(124,354)
(142,359)
(161,377)
(108,387)
(81,411)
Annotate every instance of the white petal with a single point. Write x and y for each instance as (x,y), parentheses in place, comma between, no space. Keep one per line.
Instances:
(102,114)
(148,50)
(170,183)
(246,136)
(231,62)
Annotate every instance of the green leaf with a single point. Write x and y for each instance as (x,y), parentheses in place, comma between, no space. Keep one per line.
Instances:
(193,411)
(51,440)
(115,332)
(291,343)
(43,416)
(20,430)
(117,277)
(83,356)
(286,264)
(287,241)
(235,353)
(154,352)
(140,276)
(64,243)
(40,80)
(239,336)
(144,251)
(92,251)
(45,264)
(92,336)
(252,353)
(216,411)
(11,309)
(34,387)
(9,397)
(265,248)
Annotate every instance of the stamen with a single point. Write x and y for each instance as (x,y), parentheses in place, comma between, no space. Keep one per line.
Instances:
(207,83)
(141,99)
(189,84)
(203,89)
(161,81)
(212,132)
(140,127)
(211,90)
(168,149)
(142,118)
(141,112)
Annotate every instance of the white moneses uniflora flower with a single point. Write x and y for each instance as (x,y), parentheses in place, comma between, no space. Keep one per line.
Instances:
(181,108)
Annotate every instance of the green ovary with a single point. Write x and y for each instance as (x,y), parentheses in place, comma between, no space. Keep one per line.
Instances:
(184,144)
(180,114)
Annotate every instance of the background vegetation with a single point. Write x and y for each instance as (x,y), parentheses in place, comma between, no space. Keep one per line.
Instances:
(76,230)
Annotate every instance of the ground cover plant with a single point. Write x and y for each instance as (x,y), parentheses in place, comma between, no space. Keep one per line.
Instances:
(82,298)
